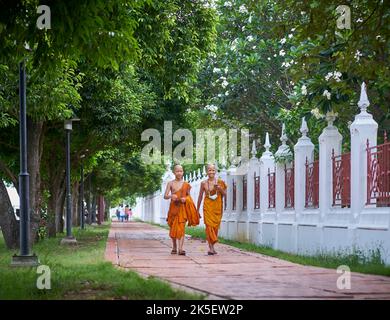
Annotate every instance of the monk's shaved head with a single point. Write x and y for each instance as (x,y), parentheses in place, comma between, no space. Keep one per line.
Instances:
(210,165)
(177,166)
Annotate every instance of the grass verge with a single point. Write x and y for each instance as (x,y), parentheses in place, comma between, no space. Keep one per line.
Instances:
(80,272)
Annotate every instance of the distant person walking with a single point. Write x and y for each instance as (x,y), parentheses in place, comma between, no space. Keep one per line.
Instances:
(118,213)
(130,214)
(122,213)
(127,212)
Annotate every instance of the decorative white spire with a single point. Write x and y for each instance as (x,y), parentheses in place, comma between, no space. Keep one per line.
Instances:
(304,129)
(199,174)
(186,178)
(168,165)
(363,102)
(283,137)
(267,145)
(254,151)
(194,175)
(204,171)
(190,178)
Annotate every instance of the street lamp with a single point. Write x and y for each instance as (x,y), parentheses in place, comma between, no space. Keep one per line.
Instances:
(25,258)
(69,239)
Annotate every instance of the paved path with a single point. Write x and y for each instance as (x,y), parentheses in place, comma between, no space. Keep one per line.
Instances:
(233,273)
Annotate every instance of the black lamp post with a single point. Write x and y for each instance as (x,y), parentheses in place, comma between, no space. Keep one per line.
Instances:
(25,258)
(69,239)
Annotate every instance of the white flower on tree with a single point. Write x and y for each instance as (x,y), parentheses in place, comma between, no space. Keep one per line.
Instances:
(317,114)
(327,94)
(243,9)
(283,41)
(249,38)
(224,84)
(335,75)
(211,107)
(216,70)
(358,54)
(228,4)
(304,90)
(282,53)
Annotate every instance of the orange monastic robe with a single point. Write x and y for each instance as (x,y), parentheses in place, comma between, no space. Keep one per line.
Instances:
(179,213)
(212,211)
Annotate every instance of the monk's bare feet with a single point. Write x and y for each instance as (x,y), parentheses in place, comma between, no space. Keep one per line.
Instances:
(174,251)
(210,253)
(182,253)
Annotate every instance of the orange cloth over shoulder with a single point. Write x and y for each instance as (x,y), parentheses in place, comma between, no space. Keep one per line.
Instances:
(212,211)
(179,213)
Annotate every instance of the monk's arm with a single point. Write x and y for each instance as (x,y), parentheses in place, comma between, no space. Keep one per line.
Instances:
(200,197)
(167,191)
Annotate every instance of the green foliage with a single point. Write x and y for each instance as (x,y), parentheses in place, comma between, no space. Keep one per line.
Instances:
(279,61)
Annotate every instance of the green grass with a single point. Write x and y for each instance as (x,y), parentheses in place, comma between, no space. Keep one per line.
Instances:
(356,261)
(80,273)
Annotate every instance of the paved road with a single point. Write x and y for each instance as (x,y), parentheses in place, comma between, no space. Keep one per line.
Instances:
(233,273)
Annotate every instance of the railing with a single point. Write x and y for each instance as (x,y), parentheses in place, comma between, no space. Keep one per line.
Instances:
(312,184)
(257,191)
(271,189)
(234,195)
(378,174)
(341,179)
(288,187)
(244,192)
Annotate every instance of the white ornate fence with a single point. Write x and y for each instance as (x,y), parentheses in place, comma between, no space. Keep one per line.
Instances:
(336,203)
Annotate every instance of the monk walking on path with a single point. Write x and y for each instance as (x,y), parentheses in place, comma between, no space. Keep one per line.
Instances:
(181,209)
(214,190)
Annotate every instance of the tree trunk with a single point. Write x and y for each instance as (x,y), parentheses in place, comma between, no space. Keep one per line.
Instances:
(55,209)
(93,209)
(60,223)
(35,147)
(107,210)
(8,223)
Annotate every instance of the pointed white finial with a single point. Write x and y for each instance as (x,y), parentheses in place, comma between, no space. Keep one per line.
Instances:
(283,137)
(304,129)
(186,178)
(194,175)
(190,177)
(254,151)
(204,171)
(267,145)
(199,174)
(168,165)
(363,102)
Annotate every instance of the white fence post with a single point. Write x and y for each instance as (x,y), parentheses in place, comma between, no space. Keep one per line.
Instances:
(303,149)
(330,139)
(283,150)
(168,176)
(267,162)
(362,129)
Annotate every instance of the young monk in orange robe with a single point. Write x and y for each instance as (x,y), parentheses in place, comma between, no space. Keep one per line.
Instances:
(181,209)
(215,190)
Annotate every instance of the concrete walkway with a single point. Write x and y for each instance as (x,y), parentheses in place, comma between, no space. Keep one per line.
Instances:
(233,273)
